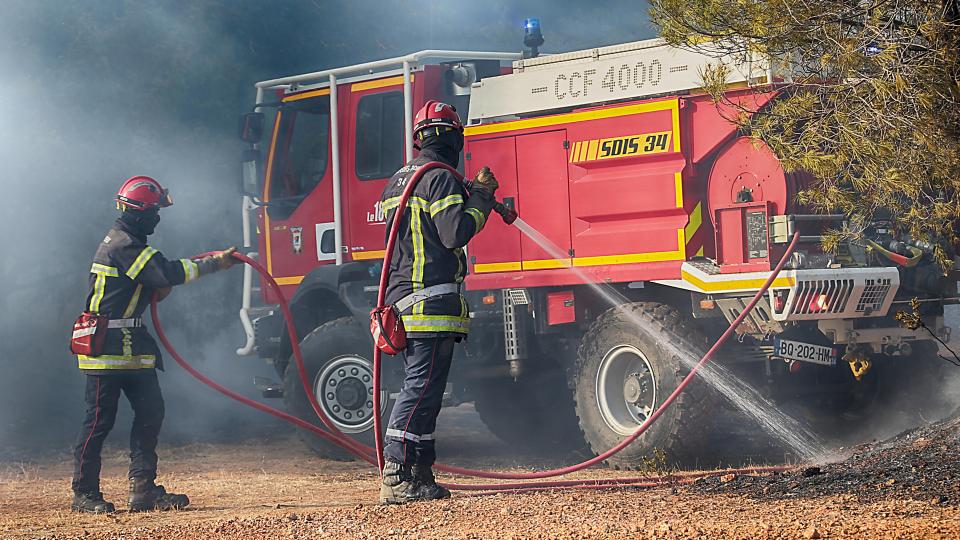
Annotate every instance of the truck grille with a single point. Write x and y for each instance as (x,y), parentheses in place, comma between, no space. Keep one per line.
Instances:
(839,293)
(832,294)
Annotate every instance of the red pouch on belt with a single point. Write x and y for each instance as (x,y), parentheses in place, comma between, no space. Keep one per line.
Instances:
(89,334)
(389,335)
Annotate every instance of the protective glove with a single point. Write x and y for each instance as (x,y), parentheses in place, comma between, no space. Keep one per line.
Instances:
(486,181)
(225,258)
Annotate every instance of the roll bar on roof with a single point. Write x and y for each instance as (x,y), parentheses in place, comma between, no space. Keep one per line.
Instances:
(330,76)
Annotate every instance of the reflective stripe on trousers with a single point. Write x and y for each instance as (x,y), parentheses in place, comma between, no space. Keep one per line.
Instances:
(400,434)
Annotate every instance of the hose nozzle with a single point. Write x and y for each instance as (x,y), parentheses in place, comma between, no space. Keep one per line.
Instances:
(508,214)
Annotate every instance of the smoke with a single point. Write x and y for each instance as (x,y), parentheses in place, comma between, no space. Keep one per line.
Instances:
(94,92)
(91,95)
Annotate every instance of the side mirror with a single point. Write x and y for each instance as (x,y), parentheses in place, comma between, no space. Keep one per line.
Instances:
(251,127)
(250,170)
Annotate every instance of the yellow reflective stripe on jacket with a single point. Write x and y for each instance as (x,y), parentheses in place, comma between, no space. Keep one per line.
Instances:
(478,217)
(390,204)
(416,229)
(191,270)
(106,361)
(445,203)
(436,323)
(104,269)
(418,203)
(99,284)
(142,259)
(133,302)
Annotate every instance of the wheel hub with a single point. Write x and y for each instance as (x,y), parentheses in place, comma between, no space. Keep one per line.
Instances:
(633,388)
(344,389)
(626,389)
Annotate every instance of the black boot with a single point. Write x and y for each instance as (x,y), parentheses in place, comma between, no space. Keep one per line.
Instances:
(145,495)
(91,503)
(427,487)
(396,486)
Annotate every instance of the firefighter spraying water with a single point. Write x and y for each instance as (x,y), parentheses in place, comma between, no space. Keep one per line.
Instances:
(426,272)
(117,354)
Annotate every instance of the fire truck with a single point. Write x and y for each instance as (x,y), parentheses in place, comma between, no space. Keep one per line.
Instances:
(629,175)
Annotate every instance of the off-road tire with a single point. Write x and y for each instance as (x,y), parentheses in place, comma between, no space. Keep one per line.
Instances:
(681,431)
(326,343)
(535,413)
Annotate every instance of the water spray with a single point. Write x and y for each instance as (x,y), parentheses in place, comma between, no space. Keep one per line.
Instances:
(743,396)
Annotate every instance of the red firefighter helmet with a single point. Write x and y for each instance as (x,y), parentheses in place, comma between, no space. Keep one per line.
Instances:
(436,114)
(143,193)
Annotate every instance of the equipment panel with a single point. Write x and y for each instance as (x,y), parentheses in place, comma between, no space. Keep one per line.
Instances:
(634,70)
(604,186)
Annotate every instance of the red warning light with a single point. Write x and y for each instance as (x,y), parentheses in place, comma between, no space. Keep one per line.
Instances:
(819,303)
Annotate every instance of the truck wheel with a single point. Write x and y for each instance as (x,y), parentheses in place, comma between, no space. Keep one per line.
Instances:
(625,371)
(535,412)
(336,356)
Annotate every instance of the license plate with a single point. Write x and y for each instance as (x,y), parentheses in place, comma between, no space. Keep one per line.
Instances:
(805,352)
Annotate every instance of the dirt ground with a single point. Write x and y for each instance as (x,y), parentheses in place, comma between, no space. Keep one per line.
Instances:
(277,489)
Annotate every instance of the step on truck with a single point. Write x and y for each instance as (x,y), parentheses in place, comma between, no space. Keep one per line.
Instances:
(635,179)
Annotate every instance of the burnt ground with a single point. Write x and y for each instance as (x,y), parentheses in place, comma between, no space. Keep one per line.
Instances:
(920,464)
(275,488)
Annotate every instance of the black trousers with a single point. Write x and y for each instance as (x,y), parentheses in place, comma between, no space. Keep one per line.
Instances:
(414,418)
(103,395)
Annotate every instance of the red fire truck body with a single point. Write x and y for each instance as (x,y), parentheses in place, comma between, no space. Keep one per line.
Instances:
(619,189)
(623,173)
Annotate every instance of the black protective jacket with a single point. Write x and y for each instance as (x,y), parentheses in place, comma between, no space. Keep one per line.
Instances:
(124,275)
(439,221)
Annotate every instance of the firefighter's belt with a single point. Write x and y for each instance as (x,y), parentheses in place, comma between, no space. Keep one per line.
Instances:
(416,297)
(125,323)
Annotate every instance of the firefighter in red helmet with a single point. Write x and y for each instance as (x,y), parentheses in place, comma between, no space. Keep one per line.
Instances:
(425,287)
(117,354)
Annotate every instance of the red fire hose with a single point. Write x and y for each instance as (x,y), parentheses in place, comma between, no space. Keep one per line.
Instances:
(364,452)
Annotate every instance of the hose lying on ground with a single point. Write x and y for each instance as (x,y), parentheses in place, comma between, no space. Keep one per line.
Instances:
(374,456)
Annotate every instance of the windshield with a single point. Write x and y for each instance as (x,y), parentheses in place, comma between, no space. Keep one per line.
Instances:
(300,155)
